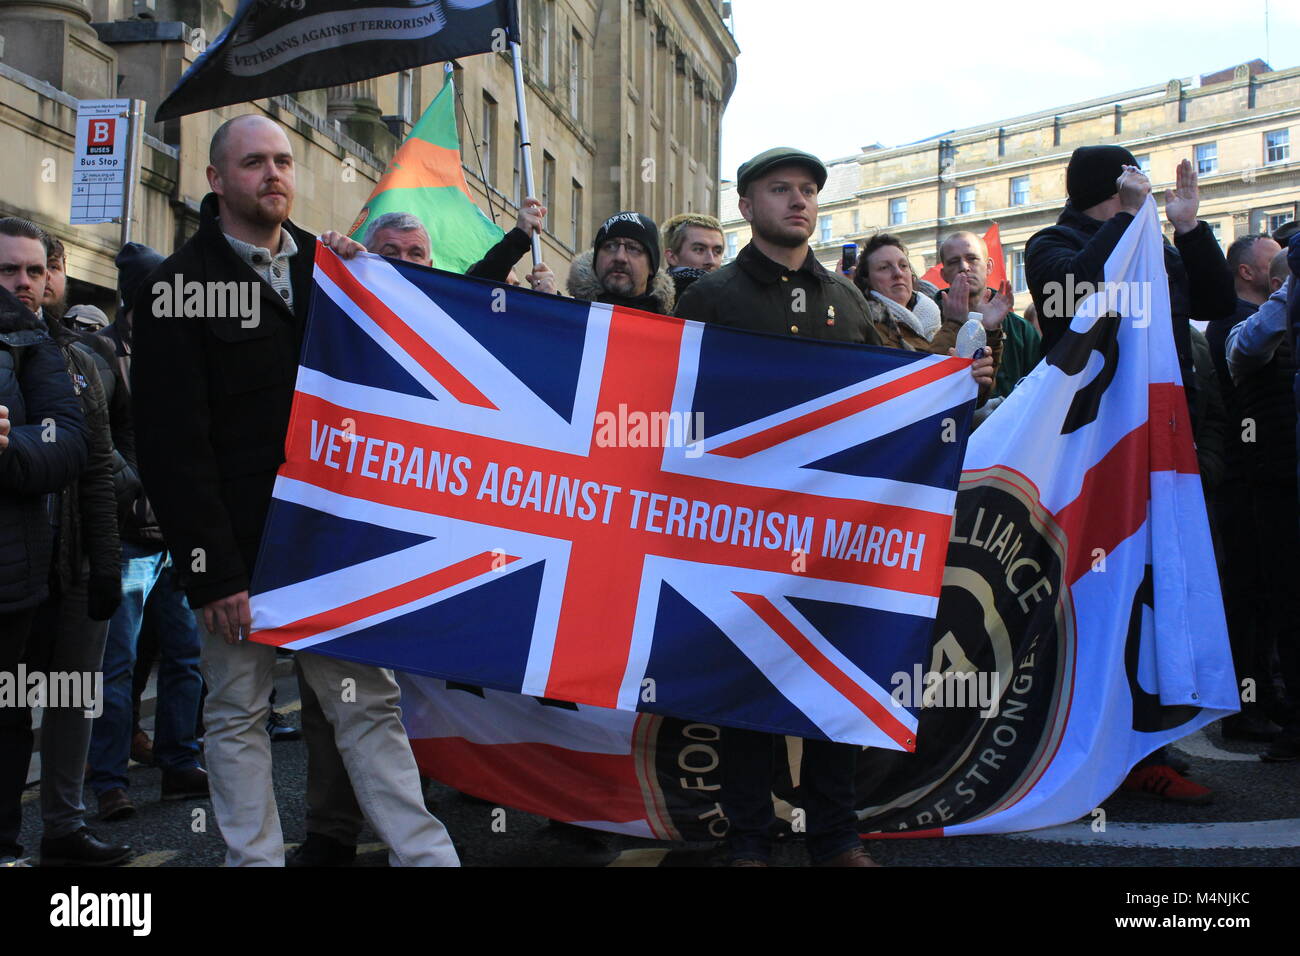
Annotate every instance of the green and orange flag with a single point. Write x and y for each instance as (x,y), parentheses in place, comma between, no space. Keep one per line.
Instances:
(424,178)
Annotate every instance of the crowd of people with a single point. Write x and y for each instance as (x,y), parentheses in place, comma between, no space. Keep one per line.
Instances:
(137,459)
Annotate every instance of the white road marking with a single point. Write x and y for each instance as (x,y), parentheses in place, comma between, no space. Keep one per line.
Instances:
(1200,745)
(639,858)
(156,858)
(1246,835)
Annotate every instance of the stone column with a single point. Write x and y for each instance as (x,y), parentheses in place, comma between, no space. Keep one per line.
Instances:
(356,107)
(52,40)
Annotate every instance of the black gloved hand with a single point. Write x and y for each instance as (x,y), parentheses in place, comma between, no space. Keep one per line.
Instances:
(103,595)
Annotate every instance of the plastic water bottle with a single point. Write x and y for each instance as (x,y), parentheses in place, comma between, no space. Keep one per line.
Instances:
(970,338)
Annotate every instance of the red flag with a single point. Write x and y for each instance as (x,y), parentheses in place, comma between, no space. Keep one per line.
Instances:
(997,275)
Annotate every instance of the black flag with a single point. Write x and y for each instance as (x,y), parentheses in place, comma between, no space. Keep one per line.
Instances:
(280,46)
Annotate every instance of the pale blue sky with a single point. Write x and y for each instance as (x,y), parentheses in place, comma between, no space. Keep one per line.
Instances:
(831,76)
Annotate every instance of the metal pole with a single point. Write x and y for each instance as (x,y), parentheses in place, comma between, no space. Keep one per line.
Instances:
(525,146)
(135,148)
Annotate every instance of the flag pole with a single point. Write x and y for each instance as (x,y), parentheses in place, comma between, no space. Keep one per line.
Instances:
(525,146)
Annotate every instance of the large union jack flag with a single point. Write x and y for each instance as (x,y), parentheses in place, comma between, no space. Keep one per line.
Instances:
(592,504)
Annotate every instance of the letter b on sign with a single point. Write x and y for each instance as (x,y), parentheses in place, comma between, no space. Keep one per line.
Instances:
(101,132)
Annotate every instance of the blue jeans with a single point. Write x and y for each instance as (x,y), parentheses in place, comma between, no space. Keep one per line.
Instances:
(148,579)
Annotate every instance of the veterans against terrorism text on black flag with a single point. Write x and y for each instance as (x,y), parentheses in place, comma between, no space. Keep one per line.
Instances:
(280,46)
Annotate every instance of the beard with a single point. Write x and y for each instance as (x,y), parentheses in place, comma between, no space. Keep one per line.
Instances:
(619,283)
(251,210)
(779,234)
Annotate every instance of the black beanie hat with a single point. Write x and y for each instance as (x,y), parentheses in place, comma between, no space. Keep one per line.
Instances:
(1090,177)
(134,263)
(631,225)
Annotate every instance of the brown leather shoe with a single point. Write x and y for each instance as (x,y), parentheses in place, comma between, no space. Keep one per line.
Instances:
(142,748)
(115,805)
(854,856)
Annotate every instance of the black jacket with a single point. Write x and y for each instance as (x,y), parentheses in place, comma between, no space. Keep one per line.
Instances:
(211,400)
(1266,399)
(753,292)
(1200,283)
(1211,417)
(35,387)
(1236,452)
(117,398)
(501,258)
(139,525)
(87,539)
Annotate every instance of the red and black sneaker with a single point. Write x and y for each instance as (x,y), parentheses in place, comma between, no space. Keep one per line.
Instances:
(1160,780)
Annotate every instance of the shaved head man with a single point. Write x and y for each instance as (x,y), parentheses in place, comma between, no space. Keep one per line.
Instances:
(252,173)
(212,394)
(965,265)
(964,253)
(1249,258)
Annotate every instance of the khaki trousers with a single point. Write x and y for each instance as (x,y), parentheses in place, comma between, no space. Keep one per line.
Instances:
(361,704)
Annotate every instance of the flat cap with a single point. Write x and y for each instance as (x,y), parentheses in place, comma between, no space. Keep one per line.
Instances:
(86,318)
(769,159)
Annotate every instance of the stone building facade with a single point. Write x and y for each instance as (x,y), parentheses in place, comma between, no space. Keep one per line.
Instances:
(624,100)
(1239,126)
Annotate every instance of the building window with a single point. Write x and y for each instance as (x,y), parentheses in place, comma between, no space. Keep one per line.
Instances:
(1018,283)
(575,214)
(1020,191)
(1216,228)
(731,245)
(575,75)
(965,200)
(488,155)
(547,21)
(1277,220)
(823,228)
(857,222)
(1207,158)
(1277,146)
(1144,163)
(516,170)
(406,96)
(898,211)
(548,180)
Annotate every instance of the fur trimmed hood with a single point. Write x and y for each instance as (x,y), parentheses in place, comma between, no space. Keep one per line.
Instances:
(582,284)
